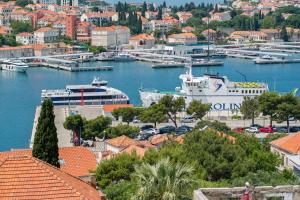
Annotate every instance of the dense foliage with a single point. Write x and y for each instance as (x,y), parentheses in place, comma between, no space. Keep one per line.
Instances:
(45,146)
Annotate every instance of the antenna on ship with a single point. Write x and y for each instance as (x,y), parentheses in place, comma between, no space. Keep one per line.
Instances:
(243,75)
(189,65)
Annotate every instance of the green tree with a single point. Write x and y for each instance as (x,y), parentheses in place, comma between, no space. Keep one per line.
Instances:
(116,170)
(288,107)
(268,103)
(154,114)
(19,26)
(284,34)
(95,127)
(120,191)
(163,181)
(250,108)
(127,114)
(45,146)
(144,9)
(268,22)
(121,129)
(198,109)
(23,3)
(74,123)
(171,106)
(96,50)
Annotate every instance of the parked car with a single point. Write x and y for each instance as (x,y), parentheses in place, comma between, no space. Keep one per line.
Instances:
(257,126)
(167,129)
(146,127)
(187,119)
(268,129)
(144,136)
(238,130)
(151,131)
(183,129)
(280,129)
(136,120)
(252,129)
(294,129)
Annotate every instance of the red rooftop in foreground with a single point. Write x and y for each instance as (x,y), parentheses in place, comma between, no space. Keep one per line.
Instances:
(25,177)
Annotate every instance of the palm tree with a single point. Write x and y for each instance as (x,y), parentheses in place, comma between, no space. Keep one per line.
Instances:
(163,181)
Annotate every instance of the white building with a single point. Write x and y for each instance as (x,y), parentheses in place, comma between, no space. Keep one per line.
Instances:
(44,1)
(46,35)
(69,3)
(25,38)
(222,16)
(164,25)
(99,18)
(110,36)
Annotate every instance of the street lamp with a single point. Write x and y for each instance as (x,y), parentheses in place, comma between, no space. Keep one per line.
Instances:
(69,92)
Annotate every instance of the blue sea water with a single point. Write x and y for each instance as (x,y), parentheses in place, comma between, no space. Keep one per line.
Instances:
(20,93)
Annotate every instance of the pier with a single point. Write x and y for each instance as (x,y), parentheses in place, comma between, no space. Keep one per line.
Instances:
(70,68)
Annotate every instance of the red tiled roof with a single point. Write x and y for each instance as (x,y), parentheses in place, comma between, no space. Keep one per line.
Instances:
(111,107)
(142,36)
(77,161)
(158,139)
(25,177)
(25,34)
(290,143)
(44,29)
(183,35)
(140,151)
(121,141)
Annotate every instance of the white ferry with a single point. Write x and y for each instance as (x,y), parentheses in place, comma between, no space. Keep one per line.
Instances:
(14,65)
(219,91)
(124,57)
(97,93)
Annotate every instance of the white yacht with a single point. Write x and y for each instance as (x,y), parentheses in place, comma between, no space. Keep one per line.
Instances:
(202,62)
(124,57)
(219,91)
(96,93)
(14,65)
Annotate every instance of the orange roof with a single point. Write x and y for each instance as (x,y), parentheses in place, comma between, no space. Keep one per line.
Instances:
(229,137)
(25,177)
(25,34)
(142,36)
(44,29)
(183,35)
(158,139)
(180,139)
(121,141)
(146,144)
(140,151)
(188,28)
(77,161)
(104,14)
(208,30)
(290,143)
(270,30)
(111,107)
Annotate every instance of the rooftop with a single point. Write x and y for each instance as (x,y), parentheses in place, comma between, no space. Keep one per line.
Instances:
(290,143)
(142,36)
(25,177)
(111,107)
(121,141)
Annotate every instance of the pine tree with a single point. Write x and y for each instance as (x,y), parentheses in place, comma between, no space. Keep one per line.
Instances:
(45,145)
(140,25)
(284,34)
(144,9)
(159,14)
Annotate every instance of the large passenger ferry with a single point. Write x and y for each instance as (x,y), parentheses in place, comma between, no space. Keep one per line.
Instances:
(14,65)
(97,93)
(219,91)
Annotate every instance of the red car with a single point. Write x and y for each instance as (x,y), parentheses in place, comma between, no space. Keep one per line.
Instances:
(268,129)
(238,130)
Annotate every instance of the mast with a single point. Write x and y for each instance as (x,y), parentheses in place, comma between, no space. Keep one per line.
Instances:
(208,36)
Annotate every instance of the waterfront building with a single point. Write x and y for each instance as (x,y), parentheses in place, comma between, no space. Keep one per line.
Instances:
(25,38)
(110,36)
(183,38)
(209,34)
(71,26)
(16,52)
(293,34)
(51,48)
(142,41)
(273,34)
(246,36)
(46,35)
(29,177)
(288,148)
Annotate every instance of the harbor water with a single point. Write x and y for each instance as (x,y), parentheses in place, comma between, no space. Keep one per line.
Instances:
(20,93)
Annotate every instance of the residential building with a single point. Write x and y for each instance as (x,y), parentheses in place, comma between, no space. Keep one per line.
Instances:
(46,35)
(142,41)
(20,15)
(182,38)
(44,1)
(16,52)
(110,36)
(187,29)
(247,36)
(29,177)
(83,31)
(5,30)
(25,38)
(71,26)
(69,3)
(165,25)
(99,18)
(6,9)
(160,139)
(52,49)
(221,16)
(273,34)
(293,34)
(288,148)
(209,34)
(184,16)
(4,20)
(118,144)
(76,161)
(150,15)
(60,25)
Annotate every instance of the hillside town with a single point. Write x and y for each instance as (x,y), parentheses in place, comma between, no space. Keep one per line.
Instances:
(213,137)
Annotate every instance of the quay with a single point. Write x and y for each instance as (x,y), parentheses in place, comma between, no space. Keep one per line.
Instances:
(75,68)
(61,113)
(276,61)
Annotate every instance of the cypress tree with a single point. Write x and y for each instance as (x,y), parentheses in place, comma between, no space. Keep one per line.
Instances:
(45,146)
(284,34)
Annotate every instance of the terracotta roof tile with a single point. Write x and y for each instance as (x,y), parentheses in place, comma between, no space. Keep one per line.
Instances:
(77,161)
(159,139)
(290,143)
(111,107)
(140,151)
(121,141)
(183,35)
(142,36)
(25,177)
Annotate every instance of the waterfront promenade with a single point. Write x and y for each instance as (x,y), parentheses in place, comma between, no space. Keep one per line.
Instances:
(61,113)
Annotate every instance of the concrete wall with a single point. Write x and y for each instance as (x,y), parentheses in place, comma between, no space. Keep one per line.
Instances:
(288,192)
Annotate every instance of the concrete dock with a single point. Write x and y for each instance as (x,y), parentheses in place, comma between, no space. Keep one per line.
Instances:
(61,113)
(70,68)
